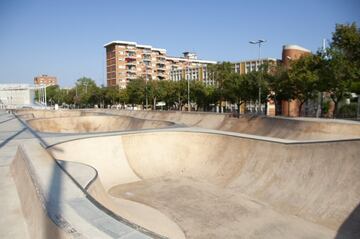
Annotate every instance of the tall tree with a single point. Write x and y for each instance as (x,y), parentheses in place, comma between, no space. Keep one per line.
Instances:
(346,39)
(239,89)
(86,92)
(168,92)
(136,91)
(305,79)
(341,63)
(181,93)
(221,73)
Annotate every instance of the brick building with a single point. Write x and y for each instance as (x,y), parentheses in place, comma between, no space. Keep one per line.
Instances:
(45,80)
(126,61)
(290,53)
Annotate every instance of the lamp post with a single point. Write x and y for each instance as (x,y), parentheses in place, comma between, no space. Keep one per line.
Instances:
(188,86)
(86,85)
(259,42)
(146,80)
(43,90)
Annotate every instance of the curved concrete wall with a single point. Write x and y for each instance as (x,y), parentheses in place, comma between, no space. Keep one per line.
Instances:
(317,182)
(31,114)
(33,208)
(55,207)
(99,123)
(296,129)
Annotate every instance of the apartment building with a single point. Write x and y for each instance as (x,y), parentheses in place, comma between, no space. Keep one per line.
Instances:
(126,61)
(45,80)
(189,67)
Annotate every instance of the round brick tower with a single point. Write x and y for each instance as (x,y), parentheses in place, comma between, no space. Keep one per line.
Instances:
(293,52)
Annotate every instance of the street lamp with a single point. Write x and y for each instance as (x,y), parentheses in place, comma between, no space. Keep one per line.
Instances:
(187,74)
(86,85)
(43,91)
(259,42)
(146,80)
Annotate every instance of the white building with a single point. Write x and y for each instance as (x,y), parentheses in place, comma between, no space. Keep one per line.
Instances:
(16,95)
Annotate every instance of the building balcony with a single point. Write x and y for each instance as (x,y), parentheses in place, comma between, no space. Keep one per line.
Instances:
(130,56)
(160,59)
(132,69)
(160,66)
(131,63)
(160,73)
(131,76)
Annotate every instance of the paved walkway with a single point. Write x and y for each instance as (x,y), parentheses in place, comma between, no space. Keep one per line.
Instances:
(12,133)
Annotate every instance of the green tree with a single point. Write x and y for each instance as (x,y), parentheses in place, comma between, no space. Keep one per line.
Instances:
(180,91)
(169,94)
(52,94)
(221,73)
(123,96)
(198,94)
(346,39)
(237,89)
(136,91)
(111,95)
(156,91)
(86,92)
(281,84)
(304,75)
(346,42)
(340,71)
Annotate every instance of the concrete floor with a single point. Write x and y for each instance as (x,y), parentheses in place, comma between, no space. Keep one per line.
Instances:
(204,210)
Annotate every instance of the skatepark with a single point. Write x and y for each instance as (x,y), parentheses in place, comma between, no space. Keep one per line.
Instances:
(142,174)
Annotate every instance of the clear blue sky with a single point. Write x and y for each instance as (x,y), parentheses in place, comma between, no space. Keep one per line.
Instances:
(65,38)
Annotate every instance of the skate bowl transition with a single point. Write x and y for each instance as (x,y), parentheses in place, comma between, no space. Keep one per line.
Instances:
(284,128)
(184,184)
(77,121)
(32,114)
(97,123)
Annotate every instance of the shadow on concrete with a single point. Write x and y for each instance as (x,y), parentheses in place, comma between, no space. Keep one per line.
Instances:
(53,203)
(7,140)
(350,229)
(53,194)
(4,121)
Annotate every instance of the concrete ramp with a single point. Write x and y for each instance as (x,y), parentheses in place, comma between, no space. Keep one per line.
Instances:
(31,114)
(221,186)
(286,128)
(54,204)
(98,123)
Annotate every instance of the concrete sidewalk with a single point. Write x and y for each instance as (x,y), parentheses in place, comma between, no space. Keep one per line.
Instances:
(12,133)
